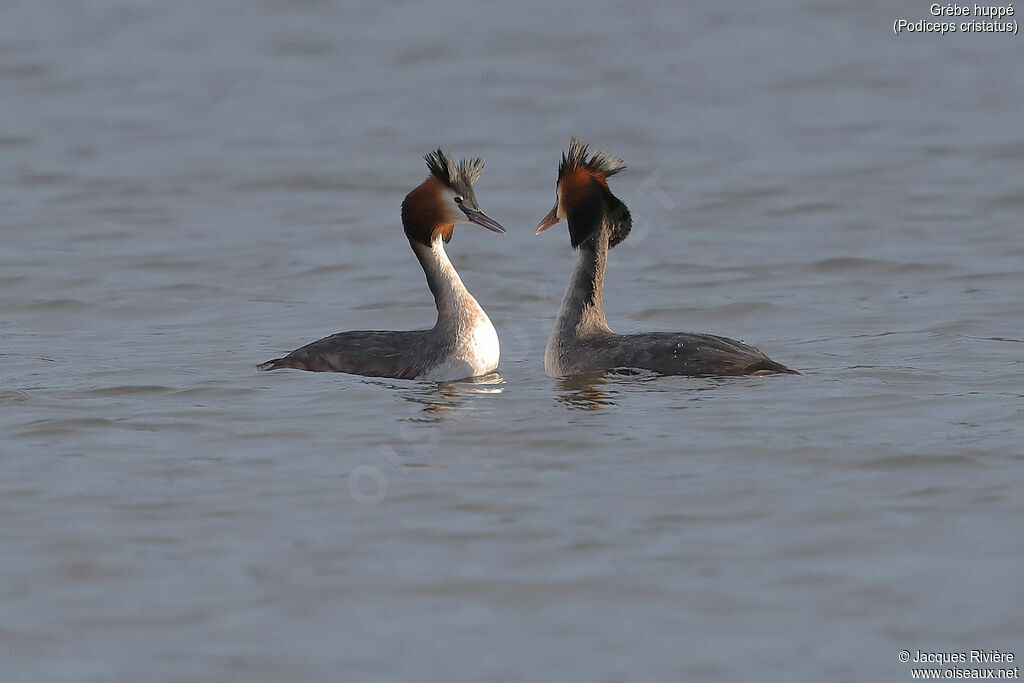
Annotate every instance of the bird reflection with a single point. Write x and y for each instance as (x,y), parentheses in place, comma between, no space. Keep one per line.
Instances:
(597,391)
(584,392)
(441,400)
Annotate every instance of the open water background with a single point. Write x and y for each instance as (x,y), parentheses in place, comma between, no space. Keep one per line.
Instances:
(190,188)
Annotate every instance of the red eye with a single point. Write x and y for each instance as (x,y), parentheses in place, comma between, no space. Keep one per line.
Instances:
(458,200)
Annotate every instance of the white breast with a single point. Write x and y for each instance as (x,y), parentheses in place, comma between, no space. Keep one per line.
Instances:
(476,353)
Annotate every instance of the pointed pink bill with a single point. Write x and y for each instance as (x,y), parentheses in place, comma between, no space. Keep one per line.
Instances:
(549,220)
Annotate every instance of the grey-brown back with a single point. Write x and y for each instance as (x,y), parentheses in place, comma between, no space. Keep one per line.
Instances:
(668,353)
(398,354)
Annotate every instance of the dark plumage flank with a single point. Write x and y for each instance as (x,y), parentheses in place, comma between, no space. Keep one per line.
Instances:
(602,163)
(458,178)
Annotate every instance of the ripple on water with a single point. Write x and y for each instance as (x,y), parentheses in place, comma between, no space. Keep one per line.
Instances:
(739,310)
(807,208)
(192,288)
(58,305)
(45,179)
(858,264)
(62,426)
(330,269)
(15,141)
(171,264)
(69,426)
(103,236)
(1007,200)
(215,392)
(9,396)
(127,390)
(920,461)
(309,182)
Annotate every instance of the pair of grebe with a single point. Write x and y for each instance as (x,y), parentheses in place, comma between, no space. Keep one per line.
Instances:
(463,343)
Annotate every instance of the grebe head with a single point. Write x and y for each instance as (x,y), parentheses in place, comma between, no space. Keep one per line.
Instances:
(445,199)
(583,199)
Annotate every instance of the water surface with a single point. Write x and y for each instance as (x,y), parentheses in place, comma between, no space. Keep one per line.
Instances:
(188,189)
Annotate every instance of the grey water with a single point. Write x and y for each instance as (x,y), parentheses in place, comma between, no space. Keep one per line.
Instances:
(190,188)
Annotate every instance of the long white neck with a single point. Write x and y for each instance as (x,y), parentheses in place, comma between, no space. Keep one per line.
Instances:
(456,307)
(466,340)
(582,310)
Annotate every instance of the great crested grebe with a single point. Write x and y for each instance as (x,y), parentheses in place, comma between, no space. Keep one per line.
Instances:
(463,342)
(581,341)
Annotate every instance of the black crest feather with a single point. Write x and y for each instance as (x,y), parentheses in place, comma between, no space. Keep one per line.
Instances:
(575,158)
(457,177)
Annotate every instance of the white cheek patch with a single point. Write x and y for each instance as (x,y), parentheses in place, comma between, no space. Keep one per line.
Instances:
(450,210)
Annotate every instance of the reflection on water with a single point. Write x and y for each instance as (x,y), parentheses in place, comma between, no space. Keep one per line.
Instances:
(584,392)
(599,391)
(442,401)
